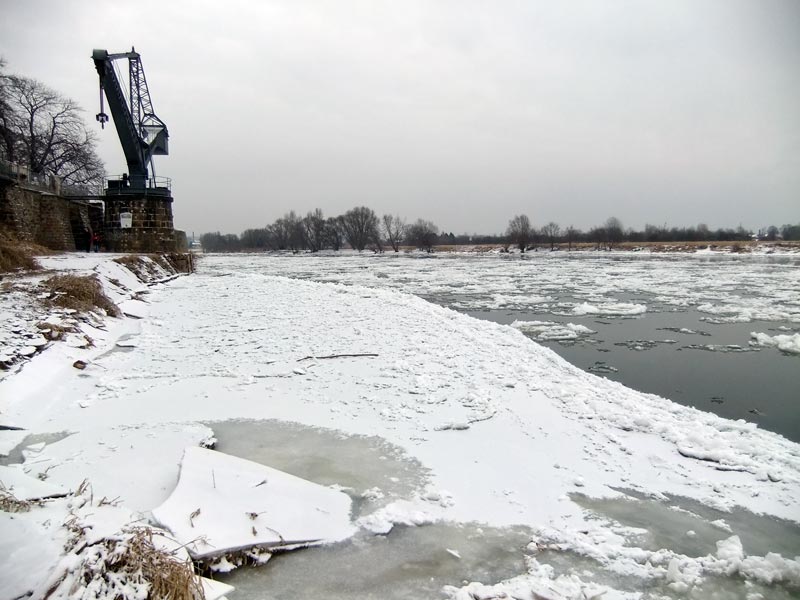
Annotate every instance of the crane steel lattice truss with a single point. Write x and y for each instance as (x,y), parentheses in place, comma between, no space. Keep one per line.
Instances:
(141,133)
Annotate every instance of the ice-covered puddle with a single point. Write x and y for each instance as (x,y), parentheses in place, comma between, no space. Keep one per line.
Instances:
(716,332)
(408,562)
(369,469)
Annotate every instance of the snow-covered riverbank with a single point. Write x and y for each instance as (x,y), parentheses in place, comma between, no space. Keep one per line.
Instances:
(509,433)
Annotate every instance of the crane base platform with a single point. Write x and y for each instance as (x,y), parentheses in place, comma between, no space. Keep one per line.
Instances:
(139,223)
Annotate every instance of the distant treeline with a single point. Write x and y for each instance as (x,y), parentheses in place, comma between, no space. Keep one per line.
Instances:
(360,228)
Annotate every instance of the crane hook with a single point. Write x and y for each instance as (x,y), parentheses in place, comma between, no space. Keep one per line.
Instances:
(101,117)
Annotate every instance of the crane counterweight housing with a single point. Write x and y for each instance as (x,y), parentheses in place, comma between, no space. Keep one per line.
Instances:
(138,215)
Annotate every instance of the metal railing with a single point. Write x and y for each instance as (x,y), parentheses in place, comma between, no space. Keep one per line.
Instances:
(110,186)
(82,191)
(23,175)
(122,185)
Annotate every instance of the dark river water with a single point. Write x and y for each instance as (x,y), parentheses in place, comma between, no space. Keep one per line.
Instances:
(647,354)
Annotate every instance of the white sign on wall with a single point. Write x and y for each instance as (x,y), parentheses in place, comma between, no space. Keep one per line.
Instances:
(125,220)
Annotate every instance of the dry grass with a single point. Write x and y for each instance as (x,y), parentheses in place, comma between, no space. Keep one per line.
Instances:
(129,260)
(144,270)
(135,559)
(135,264)
(79,292)
(125,566)
(15,256)
(10,504)
(18,255)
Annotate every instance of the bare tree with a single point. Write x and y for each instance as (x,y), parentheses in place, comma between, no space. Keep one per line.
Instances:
(519,232)
(614,232)
(772,233)
(598,236)
(218,242)
(790,232)
(278,235)
(333,232)
(288,233)
(294,227)
(571,234)
(255,239)
(44,131)
(551,231)
(273,237)
(394,228)
(360,227)
(376,243)
(8,146)
(314,230)
(423,234)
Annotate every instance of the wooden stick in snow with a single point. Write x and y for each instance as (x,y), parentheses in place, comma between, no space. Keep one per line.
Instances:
(336,356)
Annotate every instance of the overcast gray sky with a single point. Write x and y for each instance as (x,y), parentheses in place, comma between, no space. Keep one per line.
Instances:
(459,111)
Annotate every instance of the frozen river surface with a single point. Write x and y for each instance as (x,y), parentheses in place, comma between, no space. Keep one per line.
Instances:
(478,464)
(678,326)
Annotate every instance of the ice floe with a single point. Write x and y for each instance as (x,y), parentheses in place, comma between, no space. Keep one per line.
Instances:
(224,505)
(785,343)
(611,309)
(552,330)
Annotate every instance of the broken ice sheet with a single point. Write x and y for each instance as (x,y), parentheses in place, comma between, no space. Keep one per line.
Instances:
(223,504)
(544,331)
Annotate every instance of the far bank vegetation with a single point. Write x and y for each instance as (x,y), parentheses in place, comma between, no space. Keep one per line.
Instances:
(360,229)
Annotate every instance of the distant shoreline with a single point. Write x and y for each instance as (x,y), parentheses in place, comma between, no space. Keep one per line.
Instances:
(727,247)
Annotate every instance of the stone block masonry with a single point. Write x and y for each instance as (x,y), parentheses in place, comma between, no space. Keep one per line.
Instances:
(151,227)
(46,219)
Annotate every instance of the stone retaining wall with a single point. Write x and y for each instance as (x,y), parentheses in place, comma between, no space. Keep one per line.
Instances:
(42,217)
(47,219)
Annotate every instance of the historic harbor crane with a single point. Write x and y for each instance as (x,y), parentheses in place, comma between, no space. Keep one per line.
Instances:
(141,133)
(138,205)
